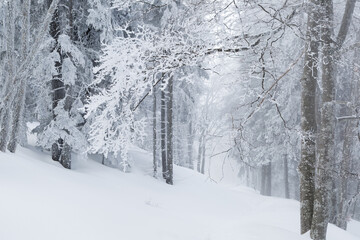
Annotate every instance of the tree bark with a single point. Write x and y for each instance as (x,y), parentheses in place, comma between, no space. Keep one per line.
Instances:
(263,180)
(286,177)
(342,217)
(201,142)
(203,149)
(348,144)
(169,175)
(163,134)
(326,137)
(19,103)
(61,151)
(6,111)
(326,134)
(308,117)
(268,179)
(154,133)
(190,146)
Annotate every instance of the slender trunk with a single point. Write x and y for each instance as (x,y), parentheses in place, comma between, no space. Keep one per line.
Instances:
(353,215)
(263,180)
(348,144)
(154,133)
(5,114)
(286,177)
(190,146)
(308,118)
(19,103)
(169,175)
(163,134)
(203,149)
(201,139)
(341,220)
(268,179)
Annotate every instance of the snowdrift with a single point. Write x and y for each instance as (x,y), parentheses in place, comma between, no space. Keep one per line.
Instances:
(40,200)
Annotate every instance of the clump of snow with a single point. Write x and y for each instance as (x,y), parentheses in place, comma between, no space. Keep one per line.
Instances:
(40,200)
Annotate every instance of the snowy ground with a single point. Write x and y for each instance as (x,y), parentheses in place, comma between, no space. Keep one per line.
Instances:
(40,201)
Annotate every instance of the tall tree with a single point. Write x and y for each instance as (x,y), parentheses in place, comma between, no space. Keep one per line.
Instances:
(169,132)
(19,102)
(5,109)
(308,119)
(330,52)
(163,134)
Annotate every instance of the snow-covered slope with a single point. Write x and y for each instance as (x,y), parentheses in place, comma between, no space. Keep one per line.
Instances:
(39,200)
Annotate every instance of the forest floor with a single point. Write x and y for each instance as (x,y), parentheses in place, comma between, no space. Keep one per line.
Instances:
(40,200)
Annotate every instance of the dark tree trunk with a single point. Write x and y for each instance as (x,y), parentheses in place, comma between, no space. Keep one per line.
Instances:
(263,180)
(268,179)
(190,146)
(202,170)
(154,133)
(308,117)
(163,134)
(5,111)
(286,177)
(169,175)
(61,151)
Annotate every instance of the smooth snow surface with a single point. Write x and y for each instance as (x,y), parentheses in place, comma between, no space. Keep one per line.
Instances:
(40,200)
(354,228)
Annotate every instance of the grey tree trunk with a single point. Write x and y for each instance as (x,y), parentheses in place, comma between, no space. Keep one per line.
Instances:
(308,118)
(199,158)
(286,177)
(190,146)
(5,110)
(163,134)
(19,103)
(343,210)
(169,172)
(326,136)
(263,180)
(203,149)
(268,179)
(154,134)
(349,136)
(265,188)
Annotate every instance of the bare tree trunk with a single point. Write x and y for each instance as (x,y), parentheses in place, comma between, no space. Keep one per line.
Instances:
(263,180)
(169,175)
(353,215)
(286,177)
(201,142)
(5,114)
(203,149)
(163,134)
(349,136)
(345,168)
(19,103)
(326,136)
(154,133)
(308,118)
(268,179)
(190,146)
